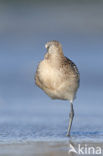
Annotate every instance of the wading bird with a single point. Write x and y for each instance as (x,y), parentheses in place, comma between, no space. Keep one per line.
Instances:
(58,76)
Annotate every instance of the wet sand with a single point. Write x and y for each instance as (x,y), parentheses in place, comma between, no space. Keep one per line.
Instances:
(44,148)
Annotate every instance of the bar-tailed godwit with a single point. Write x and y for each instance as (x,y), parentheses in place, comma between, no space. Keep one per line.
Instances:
(58,76)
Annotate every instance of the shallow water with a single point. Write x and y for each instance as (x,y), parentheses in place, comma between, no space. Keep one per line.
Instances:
(26,113)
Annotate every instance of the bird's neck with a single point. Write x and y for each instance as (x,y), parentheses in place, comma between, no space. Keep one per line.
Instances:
(56,59)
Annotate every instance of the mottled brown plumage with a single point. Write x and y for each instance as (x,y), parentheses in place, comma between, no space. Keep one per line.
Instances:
(57,75)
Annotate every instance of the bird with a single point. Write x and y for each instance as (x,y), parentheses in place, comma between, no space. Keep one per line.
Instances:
(58,76)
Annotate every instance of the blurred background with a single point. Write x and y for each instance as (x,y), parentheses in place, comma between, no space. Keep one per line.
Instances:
(26,113)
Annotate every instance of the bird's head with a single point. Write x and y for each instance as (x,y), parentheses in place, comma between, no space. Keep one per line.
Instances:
(54,48)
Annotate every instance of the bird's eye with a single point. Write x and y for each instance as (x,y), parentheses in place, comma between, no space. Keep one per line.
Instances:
(48,47)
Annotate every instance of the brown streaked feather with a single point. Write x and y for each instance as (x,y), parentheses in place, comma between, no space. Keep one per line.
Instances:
(57,75)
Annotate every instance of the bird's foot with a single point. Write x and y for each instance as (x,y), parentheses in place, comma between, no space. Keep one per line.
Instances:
(68,134)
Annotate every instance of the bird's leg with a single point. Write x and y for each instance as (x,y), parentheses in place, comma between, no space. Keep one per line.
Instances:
(71,115)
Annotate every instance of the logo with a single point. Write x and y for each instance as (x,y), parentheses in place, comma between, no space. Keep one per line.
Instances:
(72,149)
(85,149)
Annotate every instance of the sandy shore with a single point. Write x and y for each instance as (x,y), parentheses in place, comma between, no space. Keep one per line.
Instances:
(45,148)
